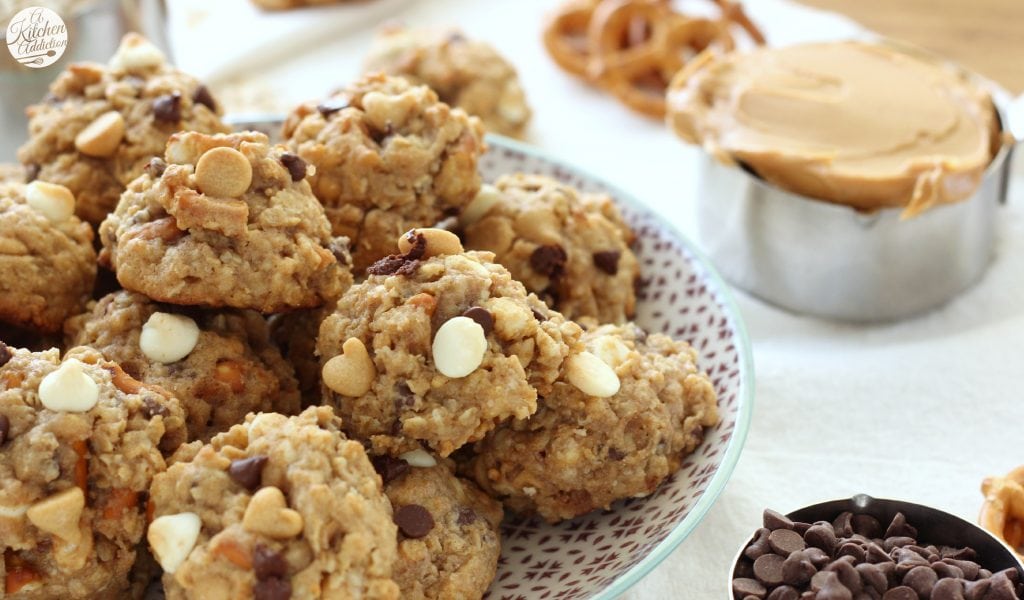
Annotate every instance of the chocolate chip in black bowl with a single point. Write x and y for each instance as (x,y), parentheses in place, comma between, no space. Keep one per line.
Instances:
(864,548)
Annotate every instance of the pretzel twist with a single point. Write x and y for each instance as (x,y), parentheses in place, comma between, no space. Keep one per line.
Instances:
(1003,510)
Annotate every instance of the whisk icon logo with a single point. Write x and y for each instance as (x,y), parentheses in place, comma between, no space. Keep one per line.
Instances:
(37,37)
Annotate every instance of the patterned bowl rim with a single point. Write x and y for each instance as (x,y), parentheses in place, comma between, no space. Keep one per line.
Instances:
(745,398)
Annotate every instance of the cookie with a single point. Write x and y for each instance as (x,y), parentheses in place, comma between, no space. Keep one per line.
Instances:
(468,74)
(225,220)
(389,156)
(47,261)
(80,442)
(570,248)
(294,334)
(13,172)
(437,346)
(220,364)
(100,124)
(621,420)
(277,507)
(449,530)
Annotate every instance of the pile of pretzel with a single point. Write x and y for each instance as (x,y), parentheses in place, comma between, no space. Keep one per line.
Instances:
(632,48)
(1003,510)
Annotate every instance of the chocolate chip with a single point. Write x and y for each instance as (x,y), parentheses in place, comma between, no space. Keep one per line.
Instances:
(202,96)
(744,569)
(784,592)
(976,590)
(5,428)
(467,516)
(921,580)
(818,557)
(401,264)
(800,528)
(167,108)
(948,589)
(821,536)
(843,525)
(537,315)
(899,527)
(872,576)
(482,316)
(798,569)
(775,520)
(876,554)
(389,468)
(898,541)
(847,574)
(616,454)
(6,354)
(32,172)
(768,569)
(853,550)
(1001,588)
(274,588)
(268,563)
(151,407)
(248,472)
(958,553)
(945,570)
(334,104)
(900,593)
(155,167)
(833,589)
(607,261)
(786,541)
(743,587)
(867,526)
(759,546)
(414,520)
(549,260)
(969,568)
(295,165)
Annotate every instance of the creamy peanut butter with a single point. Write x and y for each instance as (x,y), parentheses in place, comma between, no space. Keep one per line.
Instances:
(847,122)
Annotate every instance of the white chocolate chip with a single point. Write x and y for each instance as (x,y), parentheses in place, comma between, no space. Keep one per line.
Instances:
(55,202)
(486,198)
(352,372)
(610,349)
(223,172)
(383,109)
(591,375)
(101,138)
(69,389)
(168,338)
(419,458)
(438,242)
(172,538)
(136,53)
(459,347)
(268,514)
(58,515)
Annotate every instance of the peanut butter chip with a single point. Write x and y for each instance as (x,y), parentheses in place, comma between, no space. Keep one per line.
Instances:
(69,388)
(459,347)
(223,172)
(172,538)
(58,515)
(592,376)
(168,338)
(268,514)
(352,372)
(55,202)
(101,138)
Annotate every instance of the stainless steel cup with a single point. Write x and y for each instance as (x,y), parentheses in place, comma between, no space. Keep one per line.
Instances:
(832,261)
(934,526)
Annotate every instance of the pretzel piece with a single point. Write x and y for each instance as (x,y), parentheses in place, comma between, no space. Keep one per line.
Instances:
(565,36)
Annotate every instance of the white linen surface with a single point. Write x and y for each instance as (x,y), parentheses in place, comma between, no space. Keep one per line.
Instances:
(920,410)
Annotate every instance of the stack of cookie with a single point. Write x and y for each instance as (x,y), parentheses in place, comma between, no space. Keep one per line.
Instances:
(363,394)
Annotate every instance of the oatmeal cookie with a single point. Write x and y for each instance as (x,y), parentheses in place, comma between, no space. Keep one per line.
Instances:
(622,419)
(100,124)
(277,507)
(13,172)
(225,220)
(47,261)
(389,157)
(438,345)
(220,364)
(294,334)
(80,442)
(449,535)
(468,74)
(571,249)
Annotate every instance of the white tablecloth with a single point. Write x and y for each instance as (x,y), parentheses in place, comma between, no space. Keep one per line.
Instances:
(920,410)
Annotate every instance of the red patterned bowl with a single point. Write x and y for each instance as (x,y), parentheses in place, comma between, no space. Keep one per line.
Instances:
(600,555)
